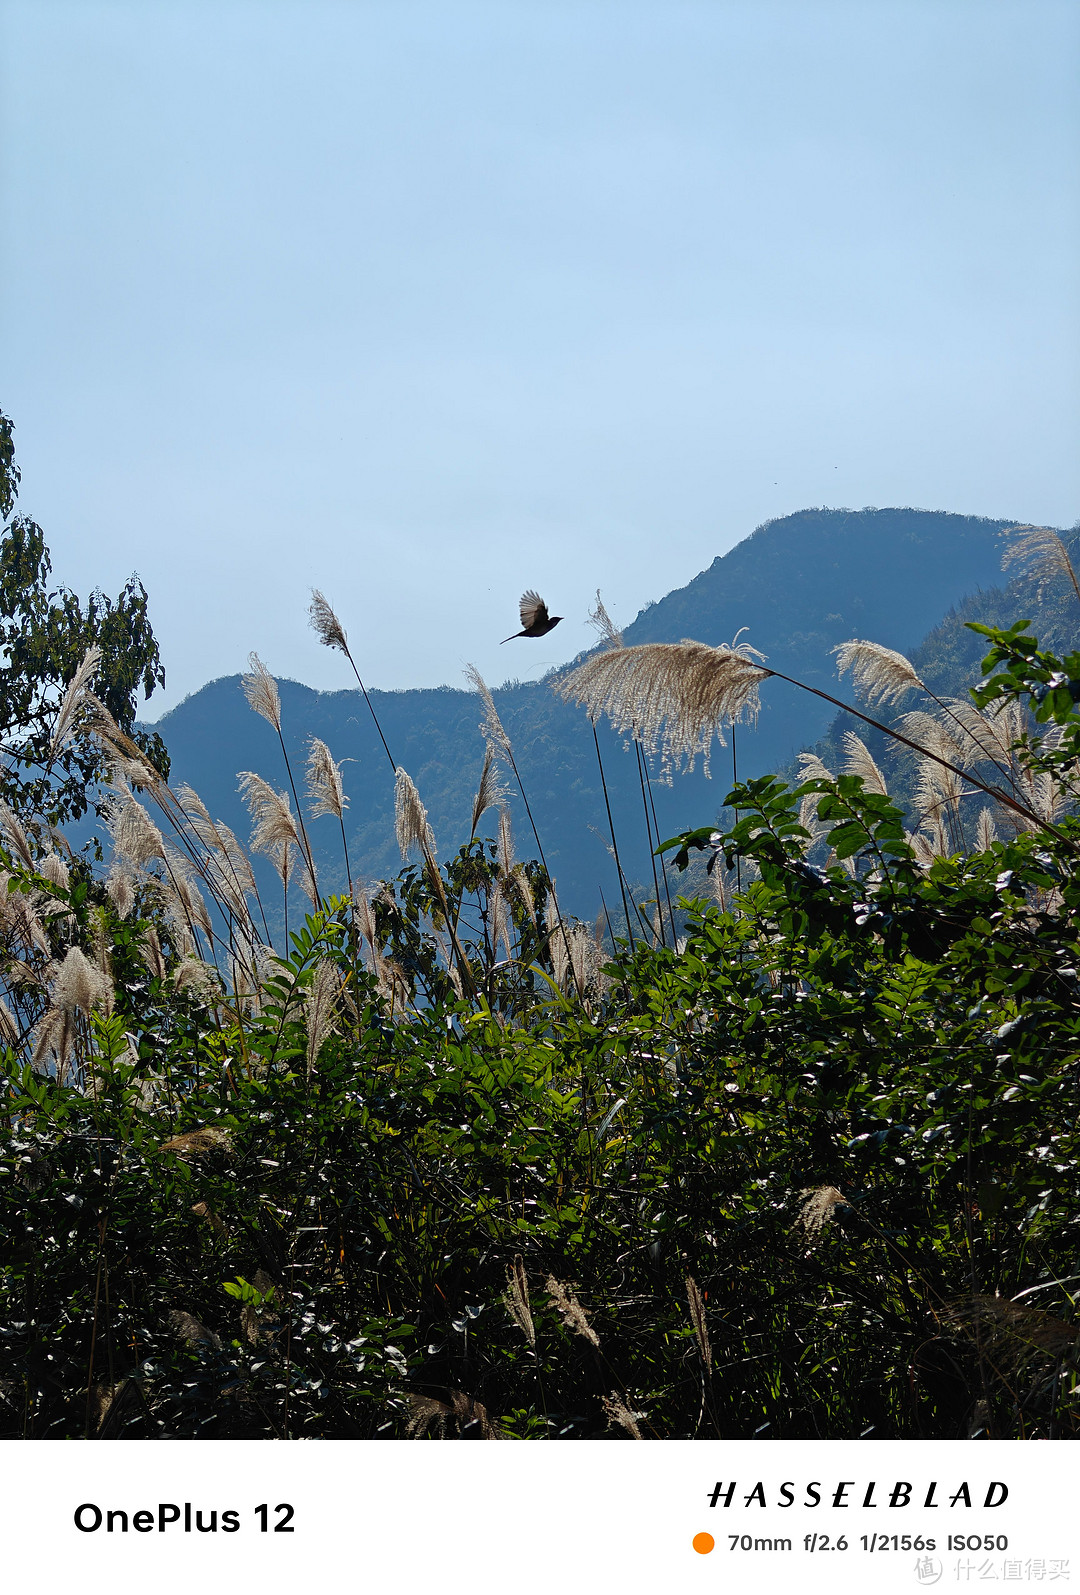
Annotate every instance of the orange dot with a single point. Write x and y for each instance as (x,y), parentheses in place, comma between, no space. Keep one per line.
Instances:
(703,1544)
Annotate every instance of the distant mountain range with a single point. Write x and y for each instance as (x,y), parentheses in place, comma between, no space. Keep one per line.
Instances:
(801,585)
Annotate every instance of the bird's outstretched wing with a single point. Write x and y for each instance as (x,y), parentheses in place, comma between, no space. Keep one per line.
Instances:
(533,610)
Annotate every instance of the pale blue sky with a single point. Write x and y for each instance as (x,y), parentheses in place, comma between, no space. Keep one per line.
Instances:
(427,303)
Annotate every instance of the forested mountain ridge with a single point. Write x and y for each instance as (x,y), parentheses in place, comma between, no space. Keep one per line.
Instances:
(801,585)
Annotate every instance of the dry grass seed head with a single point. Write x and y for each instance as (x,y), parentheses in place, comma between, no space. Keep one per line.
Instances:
(940,740)
(274,825)
(1040,553)
(1015,1326)
(609,634)
(10,1033)
(522,888)
(697,1314)
(490,790)
(325,623)
(879,675)
(55,1036)
(261,692)
(81,986)
(517,1299)
(324,784)
(120,886)
(499,920)
(149,946)
(811,768)
(203,1142)
(491,726)
(199,978)
(985,830)
(190,1329)
(672,697)
(817,1208)
(858,760)
(618,1412)
(321,1001)
(410,819)
(52,868)
(16,836)
(74,699)
(564,1300)
(505,848)
(136,838)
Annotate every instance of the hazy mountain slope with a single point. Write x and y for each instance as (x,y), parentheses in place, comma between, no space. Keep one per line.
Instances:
(801,585)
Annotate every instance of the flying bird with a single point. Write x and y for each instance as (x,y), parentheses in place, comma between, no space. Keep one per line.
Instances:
(534,617)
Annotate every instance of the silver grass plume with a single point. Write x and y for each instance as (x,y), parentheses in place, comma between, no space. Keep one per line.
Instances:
(81,986)
(586,957)
(505,848)
(200,978)
(490,789)
(938,740)
(52,868)
(308,883)
(880,675)
(673,697)
(617,1411)
(697,1313)
(467,1412)
(234,864)
(101,942)
(56,1035)
(930,843)
(410,819)
(16,836)
(1040,552)
(187,892)
(937,788)
(499,920)
(927,847)
(364,915)
(261,692)
(812,769)
(74,699)
(150,952)
(517,1300)
(19,916)
(136,839)
(327,626)
(858,760)
(986,734)
(491,726)
(119,747)
(324,784)
(321,1001)
(817,1208)
(120,886)
(602,623)
(78,988)
(985,831)
(564,1300)
(60,842)
(274,825)
(513,880)
(194,808)
(522,887)
(180,929)
(558,945)
(10,1033)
